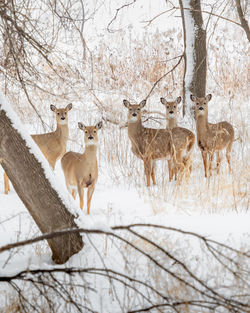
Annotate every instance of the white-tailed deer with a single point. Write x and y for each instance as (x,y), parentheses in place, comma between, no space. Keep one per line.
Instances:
(81,170)
(211,138)
(151,144)
(171,123)
(52,145)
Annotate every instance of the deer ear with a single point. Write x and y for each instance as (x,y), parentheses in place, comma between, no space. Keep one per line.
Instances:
(52,107)
(99,125)
(142,104)
(209,97)
(81,126)
(126,103)
(178,100)
(69,106)
(193,98)
(163,101)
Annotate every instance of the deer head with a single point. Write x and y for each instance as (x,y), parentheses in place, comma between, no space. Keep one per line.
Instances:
(201,104)
(134,110)
(90,133)
(171,107)
(61,114)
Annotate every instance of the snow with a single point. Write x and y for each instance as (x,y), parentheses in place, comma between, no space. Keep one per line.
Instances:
(216,208)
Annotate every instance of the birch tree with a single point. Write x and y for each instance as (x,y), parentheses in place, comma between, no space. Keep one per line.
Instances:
(195,51)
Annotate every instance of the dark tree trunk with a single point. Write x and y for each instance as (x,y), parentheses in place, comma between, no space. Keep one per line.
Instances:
(34,189)
(196,84)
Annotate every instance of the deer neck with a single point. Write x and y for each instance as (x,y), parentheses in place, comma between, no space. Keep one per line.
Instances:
(202,125)
(134,129)
(90,151)
(171,123)
(62,131)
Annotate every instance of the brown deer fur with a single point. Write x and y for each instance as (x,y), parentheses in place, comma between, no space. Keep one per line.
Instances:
(151,144)
(53,144)
(81,170)
(211,138)
(171,122)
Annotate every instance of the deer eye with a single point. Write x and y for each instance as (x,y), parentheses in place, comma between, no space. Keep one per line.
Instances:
(86,131)
(204,103)
(94,131)
(174,106)
(167,106)
(58,113)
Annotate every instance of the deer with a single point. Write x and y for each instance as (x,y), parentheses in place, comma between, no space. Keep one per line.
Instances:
(211,138)
(53,144)
(171,123)
(81,170)
(150,144)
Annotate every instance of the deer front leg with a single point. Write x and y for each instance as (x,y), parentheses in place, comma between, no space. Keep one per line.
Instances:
(211,157)
(147,170)
(204,157)
(91,189)
(80,193)
(179,168)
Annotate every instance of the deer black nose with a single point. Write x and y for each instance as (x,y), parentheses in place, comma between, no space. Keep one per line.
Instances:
(134,114)
(90,137)
(62,118)
(171,112)
(201,108)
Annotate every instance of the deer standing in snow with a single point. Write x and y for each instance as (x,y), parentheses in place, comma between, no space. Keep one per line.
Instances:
(171,119)
(151,144)
(53,144)
(81,170)
(211,138)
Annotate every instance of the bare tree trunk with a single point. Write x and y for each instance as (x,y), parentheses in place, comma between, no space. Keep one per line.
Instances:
(195,54)
(243,21)
(34,189)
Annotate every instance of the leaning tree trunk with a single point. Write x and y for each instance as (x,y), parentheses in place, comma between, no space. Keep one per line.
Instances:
(35,190)
(195,51)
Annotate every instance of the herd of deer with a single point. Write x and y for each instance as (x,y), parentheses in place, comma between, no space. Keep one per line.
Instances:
(173,143)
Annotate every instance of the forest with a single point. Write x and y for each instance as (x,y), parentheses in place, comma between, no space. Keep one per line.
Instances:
(124,153)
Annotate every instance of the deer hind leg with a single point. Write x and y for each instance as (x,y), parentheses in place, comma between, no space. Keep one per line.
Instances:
(91,189)
(153,172)
(6,184)
(170,170)
(204,157)
(73,193)
(80,193)
(218,160)
(147,170)
(187,161)
(229,147)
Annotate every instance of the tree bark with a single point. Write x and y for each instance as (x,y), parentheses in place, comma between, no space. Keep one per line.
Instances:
(243,21)
(195,79)
(34,189)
